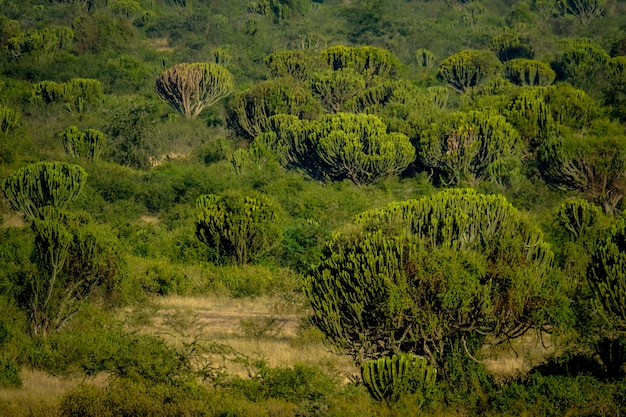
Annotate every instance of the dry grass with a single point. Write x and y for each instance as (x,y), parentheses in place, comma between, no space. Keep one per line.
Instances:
(264,328)
(12,219)
(40,392)
(524,353)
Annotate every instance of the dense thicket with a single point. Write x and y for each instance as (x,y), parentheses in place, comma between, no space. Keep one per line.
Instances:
(153,147)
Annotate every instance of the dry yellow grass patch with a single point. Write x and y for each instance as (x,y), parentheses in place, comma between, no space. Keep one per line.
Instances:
(524,353)
(12,219)
(263,328)
(40,391)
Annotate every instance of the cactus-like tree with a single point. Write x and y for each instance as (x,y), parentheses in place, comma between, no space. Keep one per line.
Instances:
(340,146)
(462,148)
(369,61)
(71,259)
(289,63)
(510,44)
(249,112)
(190,88)
(426,275)
(336,88)
(34,187)
(239,229)
(593,164)
(580,60)
(10,120)
(467,69)
(389,377)
(529,72)
(614,96)
(88,144)
(607,276)
(75,94)
(530,114)
(585,10)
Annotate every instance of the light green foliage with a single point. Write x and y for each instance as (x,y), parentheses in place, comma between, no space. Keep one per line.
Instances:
(290,63)
(572,106)
(42,44)
(89,144)
(189,88)
(221,56)
(579,218)
(127,8)
(467,69)
(340,146)
(530,114)
(423,275)
(10,120)
(359,148)
(336,88)
(369,61)
(249,112)
(32,188)
(463,147)
(529,72)
(594,164)
(607,276)
(510,44)
(388,378)
(581,58)
(75,94)
(239,229)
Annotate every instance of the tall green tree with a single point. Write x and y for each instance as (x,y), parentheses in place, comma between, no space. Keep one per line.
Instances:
(467,69)
(614,95)
(463,148)
(339,146)
(89,144)
(529,72)
(249,112)
(238,229)
(607,276)
(190,88)
(424,276)
(593,164)
(70,257)
(32,188)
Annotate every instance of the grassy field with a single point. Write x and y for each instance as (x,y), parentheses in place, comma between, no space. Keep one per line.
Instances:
(227,335)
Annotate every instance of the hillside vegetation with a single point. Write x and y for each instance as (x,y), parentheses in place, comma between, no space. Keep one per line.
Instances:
(312,208)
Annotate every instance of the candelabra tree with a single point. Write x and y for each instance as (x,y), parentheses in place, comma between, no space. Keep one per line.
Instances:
(190,88)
